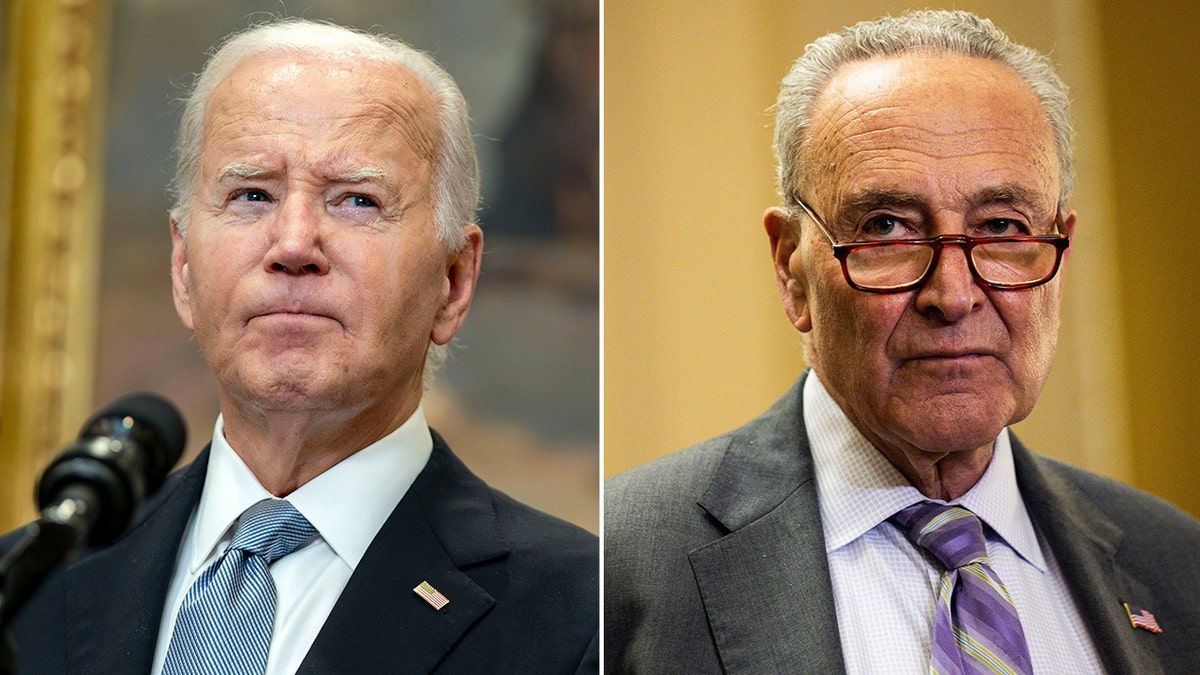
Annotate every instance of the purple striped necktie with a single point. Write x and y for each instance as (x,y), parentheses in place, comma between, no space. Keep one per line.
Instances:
(976,630)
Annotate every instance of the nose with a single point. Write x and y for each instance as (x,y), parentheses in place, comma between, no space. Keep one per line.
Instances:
(297,239)
(950,292)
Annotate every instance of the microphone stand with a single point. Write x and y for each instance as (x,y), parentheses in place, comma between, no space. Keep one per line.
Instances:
(46,542)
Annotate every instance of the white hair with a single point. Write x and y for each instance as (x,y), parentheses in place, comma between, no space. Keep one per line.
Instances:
(951,31)
(455,176)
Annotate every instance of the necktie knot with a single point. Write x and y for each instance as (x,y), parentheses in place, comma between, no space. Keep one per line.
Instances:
(271,529)
(975,627)
(952,534)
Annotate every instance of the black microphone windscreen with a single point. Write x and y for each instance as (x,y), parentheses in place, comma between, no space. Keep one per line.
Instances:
(155,413)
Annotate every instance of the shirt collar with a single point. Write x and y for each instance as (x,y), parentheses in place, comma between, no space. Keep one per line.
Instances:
(368,484)
(858,488)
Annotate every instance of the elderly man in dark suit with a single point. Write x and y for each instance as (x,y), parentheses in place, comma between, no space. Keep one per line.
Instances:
(880,518)
(324,252)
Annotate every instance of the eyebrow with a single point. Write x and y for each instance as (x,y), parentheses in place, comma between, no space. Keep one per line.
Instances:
(1012,194)
(859,202)
(372,175)
(363,174)
(873,198)
(242,171)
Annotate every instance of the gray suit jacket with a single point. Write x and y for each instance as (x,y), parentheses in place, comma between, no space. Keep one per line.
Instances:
(715,559)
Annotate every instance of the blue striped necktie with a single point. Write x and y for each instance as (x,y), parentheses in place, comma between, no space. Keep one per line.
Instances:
(976,630)
(224,624)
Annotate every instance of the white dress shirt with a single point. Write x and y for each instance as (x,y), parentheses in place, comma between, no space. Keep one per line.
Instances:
(885,588)
(347,505)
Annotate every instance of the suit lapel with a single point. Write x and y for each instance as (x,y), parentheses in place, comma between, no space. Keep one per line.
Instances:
(765,585)
(767,593)
(114,597)
(758,606)
(444,523)
(1085,543)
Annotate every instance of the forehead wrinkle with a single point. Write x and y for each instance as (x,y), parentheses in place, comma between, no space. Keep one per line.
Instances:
(857,140)
(927,131)
(858,102)
(409,116)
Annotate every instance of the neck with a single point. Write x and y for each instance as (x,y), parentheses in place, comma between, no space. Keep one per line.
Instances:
(943,476)
(285,449)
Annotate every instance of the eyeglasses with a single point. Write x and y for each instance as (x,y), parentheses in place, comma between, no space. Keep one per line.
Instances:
(895,265)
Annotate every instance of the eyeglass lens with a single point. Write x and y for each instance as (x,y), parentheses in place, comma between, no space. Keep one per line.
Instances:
(1005,262)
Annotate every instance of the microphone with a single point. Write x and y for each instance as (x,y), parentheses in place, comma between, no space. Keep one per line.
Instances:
(89,493)
(123,454)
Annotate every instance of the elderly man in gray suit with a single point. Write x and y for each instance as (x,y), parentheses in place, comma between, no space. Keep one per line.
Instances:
(880,518)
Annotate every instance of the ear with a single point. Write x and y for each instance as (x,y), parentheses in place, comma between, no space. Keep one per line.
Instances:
(1068,228)
(179,276)
(784,234)
(462,271)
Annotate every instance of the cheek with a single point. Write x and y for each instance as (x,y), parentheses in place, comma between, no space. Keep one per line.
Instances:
(850,328)
(865,321)
(1042,332)
(1032,324)
(409,297)
(204,281)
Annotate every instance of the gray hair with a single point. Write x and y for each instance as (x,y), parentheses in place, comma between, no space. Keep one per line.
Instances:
(455,177)
(951,31)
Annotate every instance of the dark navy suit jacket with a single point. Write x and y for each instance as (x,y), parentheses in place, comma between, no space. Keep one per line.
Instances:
(523,589)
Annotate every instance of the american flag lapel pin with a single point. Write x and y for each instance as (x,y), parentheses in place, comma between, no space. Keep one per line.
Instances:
(1142,618)
(431,595)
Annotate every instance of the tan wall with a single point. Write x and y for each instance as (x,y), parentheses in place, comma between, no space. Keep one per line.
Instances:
(695,340)
(1152,74)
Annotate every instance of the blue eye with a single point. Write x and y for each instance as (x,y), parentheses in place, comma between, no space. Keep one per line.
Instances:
(361,201)
(253,196)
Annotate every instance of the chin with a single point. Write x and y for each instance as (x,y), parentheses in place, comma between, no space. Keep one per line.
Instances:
(284,391)
(955,422)
(954,441)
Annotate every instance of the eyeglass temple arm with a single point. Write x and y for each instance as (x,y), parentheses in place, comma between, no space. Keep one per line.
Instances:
(811,214)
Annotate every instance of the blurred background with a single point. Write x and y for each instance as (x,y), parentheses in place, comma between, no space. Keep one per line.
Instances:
(90,113)
(695,339)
